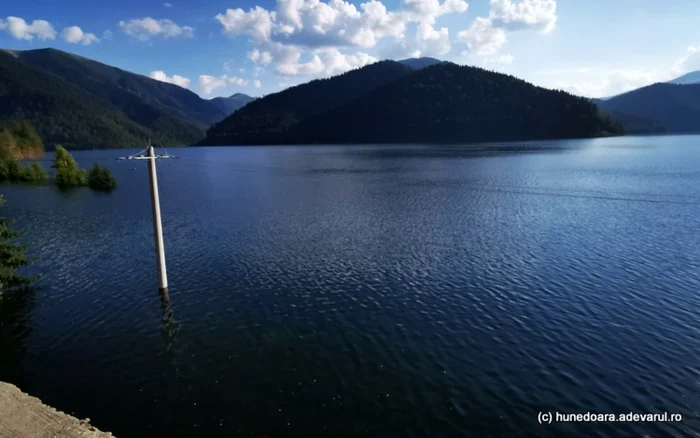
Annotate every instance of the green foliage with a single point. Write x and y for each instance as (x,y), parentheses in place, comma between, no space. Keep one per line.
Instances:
(68,174)
(34,174)
(12,170)
(100,178)
(23,133)
(12,256)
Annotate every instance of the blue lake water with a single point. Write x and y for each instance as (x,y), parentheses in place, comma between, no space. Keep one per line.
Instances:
(369,290)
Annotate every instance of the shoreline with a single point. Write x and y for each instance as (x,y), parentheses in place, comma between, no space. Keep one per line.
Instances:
(24,416)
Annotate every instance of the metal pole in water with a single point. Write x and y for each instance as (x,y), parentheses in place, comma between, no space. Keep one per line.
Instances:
(157,225)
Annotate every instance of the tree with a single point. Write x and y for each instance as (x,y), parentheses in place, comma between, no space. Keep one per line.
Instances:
(12,256)
(100,178)
(68,174)
(34,174)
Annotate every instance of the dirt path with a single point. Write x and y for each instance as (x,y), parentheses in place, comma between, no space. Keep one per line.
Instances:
(24,416)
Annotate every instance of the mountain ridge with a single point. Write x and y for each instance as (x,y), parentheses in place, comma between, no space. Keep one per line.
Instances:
(674,107)
(444,102)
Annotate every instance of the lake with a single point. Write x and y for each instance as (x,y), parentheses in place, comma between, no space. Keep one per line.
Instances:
(369,290)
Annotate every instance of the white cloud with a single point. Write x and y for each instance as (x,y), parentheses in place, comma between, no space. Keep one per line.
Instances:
(525,14)
(107,35)
(690,61)
(257,56)
(322,29)
(482,38)
(431,41)
(256,22)
(160,75)
(22,30)
(324,62)
(75,35)
(210,83)
(257,84)
(605,82)
(168,5)
(486,36)
(147,27)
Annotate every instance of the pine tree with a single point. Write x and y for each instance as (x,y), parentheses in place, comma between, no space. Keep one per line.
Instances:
(68,174)
(100,178)
(12,256)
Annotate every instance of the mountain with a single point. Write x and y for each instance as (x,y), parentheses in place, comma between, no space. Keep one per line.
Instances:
(674,107)
(267,120)
(82,103)
(63,114)
(441,103)
(229,105)
(419,63)
(688,78)
(122,89)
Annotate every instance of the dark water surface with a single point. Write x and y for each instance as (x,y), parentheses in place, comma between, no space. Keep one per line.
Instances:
(384,291)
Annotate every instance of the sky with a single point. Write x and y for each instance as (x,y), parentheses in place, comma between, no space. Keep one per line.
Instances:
(594,48)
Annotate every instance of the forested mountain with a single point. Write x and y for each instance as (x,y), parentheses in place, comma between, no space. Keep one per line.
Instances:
(268,119)
(81,103)
(62,114)
(441,103)
(229,105)
(674,107)
(129,92)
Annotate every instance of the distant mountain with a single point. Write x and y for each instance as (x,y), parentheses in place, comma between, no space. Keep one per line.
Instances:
(688,78)
(441,103)
(122,108)
(267,120)
(419,63)
(674,107)
(229,105)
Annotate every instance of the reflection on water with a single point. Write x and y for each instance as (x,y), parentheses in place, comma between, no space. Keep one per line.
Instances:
(169,330)
(16,308)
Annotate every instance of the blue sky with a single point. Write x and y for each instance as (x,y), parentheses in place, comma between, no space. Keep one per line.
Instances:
(593,48)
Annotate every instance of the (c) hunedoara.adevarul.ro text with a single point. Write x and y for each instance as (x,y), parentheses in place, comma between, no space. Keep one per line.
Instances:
(547,417)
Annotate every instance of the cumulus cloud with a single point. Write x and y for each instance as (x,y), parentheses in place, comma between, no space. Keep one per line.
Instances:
(324,62)
(526,14)
(75,35)
(160,75)
(482,38)
(486,36)
(147,27)
(22,30)
(323,29)
(210,83)
(431,41)
(257,83)
(168,5)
